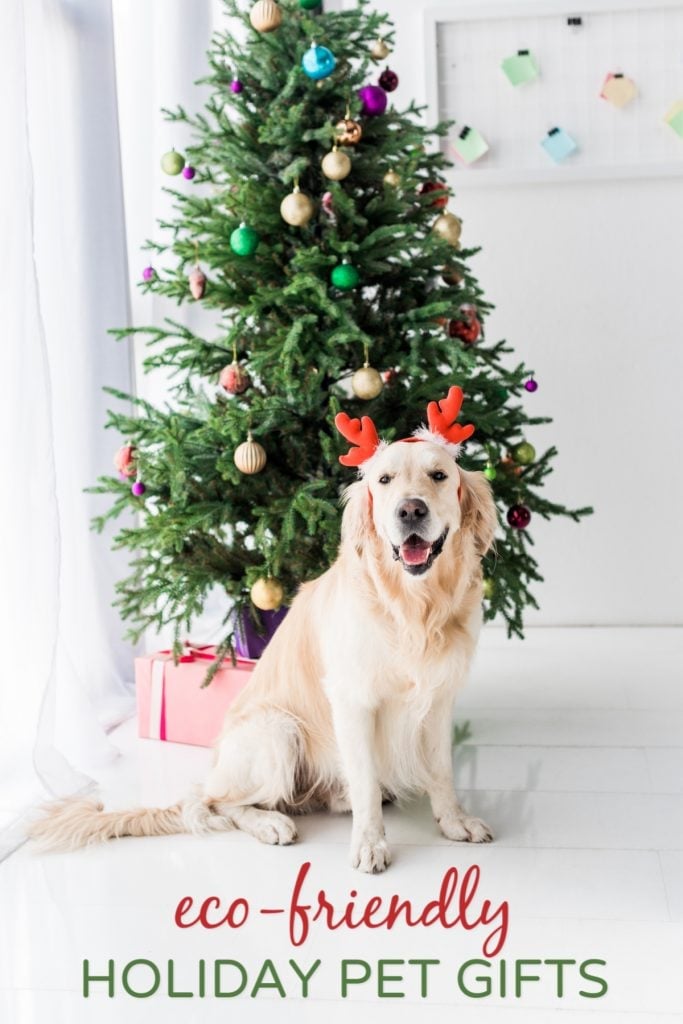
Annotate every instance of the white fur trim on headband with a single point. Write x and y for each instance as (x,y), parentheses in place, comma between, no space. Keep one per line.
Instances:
(425,434)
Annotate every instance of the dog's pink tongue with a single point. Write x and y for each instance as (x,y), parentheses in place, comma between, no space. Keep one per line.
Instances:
(415,551)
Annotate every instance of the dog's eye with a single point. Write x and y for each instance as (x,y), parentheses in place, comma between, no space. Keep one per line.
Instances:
(438,476)
(385,479)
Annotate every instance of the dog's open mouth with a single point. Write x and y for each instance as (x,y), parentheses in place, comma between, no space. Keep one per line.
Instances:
(417,554)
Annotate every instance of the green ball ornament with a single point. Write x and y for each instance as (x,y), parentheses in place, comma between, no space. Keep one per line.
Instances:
(172,162)
(490,471)
(524,453)
(500,394)
(244,240)
(488,587)
(309,5)
(345,277)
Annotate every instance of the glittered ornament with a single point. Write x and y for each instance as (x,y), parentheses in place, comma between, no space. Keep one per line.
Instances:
(197,281)
(448,227)
(345,276)
(265,16)
(234,378)
(373,99)
(490,471)
(267,594)
(149,273)
(388,80)
(379,50)
(488,588)
(318,62)
(392,179)
(250,457)
(296,208)
(524,453)
(327,204)
(519,517)
(530,385)
(244,240)
(348,132)
(367,382)
(336,165)
(435,186)
(189,172)
(124,461)
(452,275)
(236,86)
(138,488)
(172,162)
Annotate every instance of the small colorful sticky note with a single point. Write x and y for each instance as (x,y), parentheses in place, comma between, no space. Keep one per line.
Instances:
(558,144)
(674,117)
(520,68)
(470,145)
(618,90)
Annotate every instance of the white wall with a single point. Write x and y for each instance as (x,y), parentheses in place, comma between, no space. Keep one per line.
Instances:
(586,280)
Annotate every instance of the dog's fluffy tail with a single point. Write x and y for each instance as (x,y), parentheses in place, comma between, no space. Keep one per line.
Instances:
(73,823)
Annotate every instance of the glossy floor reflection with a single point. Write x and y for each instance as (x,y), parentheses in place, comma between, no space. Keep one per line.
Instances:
(576,760)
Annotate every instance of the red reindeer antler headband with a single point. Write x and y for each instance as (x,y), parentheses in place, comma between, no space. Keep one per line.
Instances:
(442,429)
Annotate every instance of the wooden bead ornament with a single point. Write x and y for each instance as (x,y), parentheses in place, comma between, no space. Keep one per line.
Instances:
(250,457)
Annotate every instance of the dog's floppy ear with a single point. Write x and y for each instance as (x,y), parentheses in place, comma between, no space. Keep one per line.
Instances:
(357,524)
(478,509)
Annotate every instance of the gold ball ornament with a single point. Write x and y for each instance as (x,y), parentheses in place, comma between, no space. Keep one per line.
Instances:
(297,209)
(367,382)
(349,132)
(336,165)
(448,227)
(265,16)
(392,179)
(267,594)
(250,457)
(379,50)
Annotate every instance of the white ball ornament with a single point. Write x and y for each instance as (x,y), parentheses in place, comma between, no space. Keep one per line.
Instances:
(250,457)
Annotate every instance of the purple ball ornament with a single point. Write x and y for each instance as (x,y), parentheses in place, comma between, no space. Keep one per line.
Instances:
(149,273)
(138,488)
(530,385)
(374,100)
(519,517)
(236,85)
(388,80)
(188,172)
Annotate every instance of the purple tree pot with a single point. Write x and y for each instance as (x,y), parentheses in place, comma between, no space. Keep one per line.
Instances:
(248,642)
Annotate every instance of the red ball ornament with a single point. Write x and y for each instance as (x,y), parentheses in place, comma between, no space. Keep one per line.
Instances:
(388,80)
(434,186)
(467,330)
(519,517)
(234,379)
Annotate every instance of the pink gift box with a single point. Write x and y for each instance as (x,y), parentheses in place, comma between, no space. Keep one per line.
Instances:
(173,706)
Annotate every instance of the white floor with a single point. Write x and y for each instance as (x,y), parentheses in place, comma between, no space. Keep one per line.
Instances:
(576,760)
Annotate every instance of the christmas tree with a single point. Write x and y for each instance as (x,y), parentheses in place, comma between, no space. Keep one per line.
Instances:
(312,217)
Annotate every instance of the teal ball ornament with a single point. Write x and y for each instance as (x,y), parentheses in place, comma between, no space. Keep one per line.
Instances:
(244,240)
(318,62)
(345,277)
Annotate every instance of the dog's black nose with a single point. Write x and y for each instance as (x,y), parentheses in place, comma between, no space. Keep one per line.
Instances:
(412,510)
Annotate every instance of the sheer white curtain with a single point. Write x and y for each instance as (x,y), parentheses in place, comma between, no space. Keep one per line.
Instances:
(65,673)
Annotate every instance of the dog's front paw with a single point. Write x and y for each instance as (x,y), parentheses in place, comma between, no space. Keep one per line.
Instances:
(462,828)
(276,830)
(371,855)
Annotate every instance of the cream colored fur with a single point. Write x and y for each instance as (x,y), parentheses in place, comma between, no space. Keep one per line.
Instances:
(352,700)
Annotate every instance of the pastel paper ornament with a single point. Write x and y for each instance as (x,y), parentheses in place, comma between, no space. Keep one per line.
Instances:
(618,90)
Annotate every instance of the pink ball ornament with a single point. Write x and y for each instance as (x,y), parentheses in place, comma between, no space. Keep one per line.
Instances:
(124,461)
(519,517)
(234,379)
(149,273)
(388,80)
(188,172)
(531,385)
(138,488)
(374,100)
(236,86)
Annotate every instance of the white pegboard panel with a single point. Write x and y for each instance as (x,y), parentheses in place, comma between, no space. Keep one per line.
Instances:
(466,45)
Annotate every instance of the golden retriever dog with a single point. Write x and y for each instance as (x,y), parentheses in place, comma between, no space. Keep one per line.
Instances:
(351,702)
